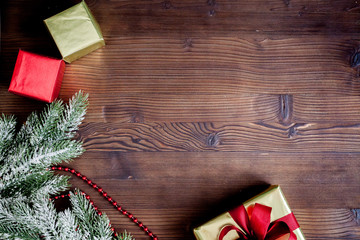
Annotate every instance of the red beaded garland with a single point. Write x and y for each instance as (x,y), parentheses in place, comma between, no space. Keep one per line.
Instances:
(107,197)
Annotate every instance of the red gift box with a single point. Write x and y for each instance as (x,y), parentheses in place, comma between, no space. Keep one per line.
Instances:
(37,77)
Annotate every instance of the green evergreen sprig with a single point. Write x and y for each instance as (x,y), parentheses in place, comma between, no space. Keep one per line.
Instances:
(26,184)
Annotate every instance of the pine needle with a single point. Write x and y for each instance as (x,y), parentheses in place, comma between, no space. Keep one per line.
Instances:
(26,184)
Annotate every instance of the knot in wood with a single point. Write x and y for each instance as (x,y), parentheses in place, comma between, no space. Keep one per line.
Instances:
(285,109)
(212,140)
(355,59)
(166,5)
(188,43)
(211,2)
(356,213)
(212,12)
(287,3)
(137,118)
(292,132)
(294,129)
(135,140)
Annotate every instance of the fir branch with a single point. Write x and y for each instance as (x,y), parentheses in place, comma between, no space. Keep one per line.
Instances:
(33,184)
(68,226)
(7,133)
(14,220)
(124,236)
(26,184)
(57,122)
(90,221)
(74,114)
(46,221)
(40,157)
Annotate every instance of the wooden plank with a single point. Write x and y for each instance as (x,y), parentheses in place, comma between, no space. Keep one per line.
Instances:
(191,180)
(196,104)
(174,192)
(225,65)
(241,108)
(307,108)
(178,223)
(133,108)
(184,108)
(287,109)
(203,17)
(230,136)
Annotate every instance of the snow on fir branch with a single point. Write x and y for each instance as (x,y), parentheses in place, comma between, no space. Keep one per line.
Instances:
(26,184)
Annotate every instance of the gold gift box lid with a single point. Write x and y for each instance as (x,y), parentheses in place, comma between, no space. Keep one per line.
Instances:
(272,197)
(75,32)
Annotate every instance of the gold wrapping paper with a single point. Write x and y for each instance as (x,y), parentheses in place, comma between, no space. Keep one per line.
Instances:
(272,197)
(75,32)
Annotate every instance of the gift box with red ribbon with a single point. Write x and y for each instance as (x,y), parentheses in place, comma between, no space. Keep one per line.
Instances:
(37,76)
(267,216)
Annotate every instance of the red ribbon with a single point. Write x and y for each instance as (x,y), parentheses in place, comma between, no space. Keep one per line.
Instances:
(257,226)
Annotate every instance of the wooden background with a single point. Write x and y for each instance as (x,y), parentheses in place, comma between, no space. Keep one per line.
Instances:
(195,105)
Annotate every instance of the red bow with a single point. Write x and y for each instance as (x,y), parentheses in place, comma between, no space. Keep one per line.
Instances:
(258,226)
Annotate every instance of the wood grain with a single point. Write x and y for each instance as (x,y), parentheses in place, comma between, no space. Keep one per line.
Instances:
(204,17)
(196,106)
(193,180)
(332,223)
(240,108)
(309,137)
(225,65)
(314,183)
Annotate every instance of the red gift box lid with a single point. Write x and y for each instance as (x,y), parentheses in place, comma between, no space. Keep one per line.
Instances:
(37,76)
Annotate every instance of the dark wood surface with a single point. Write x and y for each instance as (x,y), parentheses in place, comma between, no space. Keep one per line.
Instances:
(197,105)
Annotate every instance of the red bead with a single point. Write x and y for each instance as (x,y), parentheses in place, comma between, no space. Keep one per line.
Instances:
(105,195)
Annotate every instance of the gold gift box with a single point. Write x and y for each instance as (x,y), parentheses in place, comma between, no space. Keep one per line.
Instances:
(272,197)
(75,32)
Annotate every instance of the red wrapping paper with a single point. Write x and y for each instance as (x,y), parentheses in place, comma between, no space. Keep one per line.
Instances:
(37,76)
